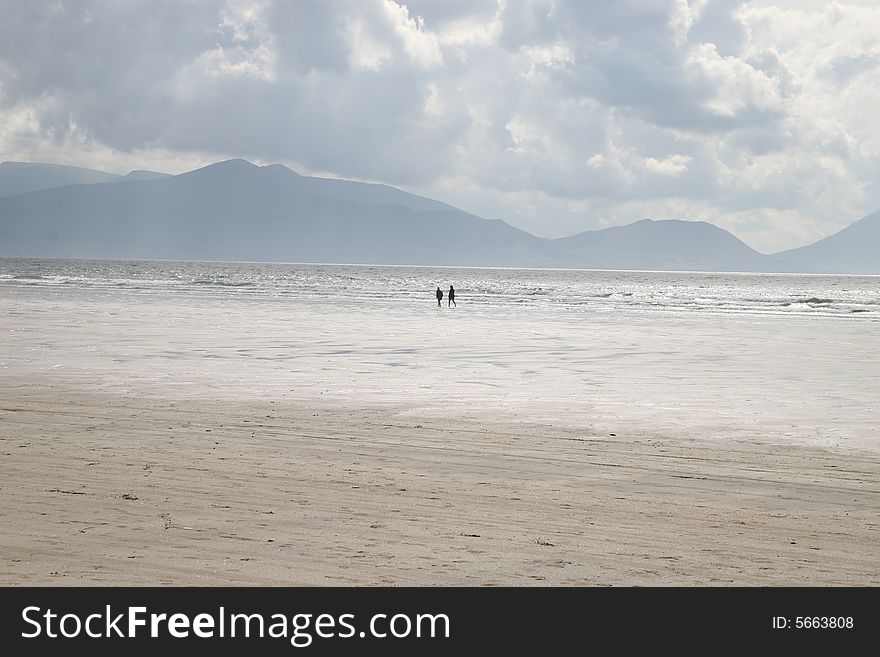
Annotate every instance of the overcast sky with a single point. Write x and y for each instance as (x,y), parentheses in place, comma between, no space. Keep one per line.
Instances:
(556,115)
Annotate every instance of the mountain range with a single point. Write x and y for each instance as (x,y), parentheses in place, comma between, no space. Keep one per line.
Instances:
(235,210)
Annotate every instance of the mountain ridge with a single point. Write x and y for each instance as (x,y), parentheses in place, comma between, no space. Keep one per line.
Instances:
(237,210)
(23,177)
(851,250)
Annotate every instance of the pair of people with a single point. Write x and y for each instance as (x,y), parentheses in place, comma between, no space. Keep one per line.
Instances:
(451,297)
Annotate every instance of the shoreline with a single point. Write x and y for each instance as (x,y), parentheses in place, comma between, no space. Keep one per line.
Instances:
(105,489)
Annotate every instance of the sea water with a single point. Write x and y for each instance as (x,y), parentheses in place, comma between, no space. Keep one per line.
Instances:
(768,357)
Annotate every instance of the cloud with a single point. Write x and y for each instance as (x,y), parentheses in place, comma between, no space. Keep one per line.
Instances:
(559,115)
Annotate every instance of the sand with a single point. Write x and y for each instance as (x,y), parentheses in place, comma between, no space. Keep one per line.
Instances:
(179,437)
(101,488)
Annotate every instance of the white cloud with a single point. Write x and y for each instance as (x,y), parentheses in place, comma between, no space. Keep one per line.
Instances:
(673,165)
(249,49)
(367,52)
(559,115)
(422,46)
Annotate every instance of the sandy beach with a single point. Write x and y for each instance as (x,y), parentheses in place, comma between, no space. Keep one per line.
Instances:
(103,489)
(157,435)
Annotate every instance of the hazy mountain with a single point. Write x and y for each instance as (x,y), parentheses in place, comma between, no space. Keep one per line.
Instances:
(21,177)
(664,245)
(141,174)
(372,194)
(235,210)
(853,250)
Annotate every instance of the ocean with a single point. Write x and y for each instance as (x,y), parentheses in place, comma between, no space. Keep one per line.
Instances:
(485,289)
(641,355)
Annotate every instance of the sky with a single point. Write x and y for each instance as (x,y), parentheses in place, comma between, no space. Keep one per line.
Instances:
(558,116)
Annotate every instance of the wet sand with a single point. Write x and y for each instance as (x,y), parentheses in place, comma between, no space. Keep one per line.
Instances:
(111,489)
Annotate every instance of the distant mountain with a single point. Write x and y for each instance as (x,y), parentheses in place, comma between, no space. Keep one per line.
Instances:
(140,174)
(372,194)
(853,250)
(22,177)
(235,210)
(665,245)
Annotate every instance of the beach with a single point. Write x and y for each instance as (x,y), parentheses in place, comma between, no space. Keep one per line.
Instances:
(183,439)
(104,489)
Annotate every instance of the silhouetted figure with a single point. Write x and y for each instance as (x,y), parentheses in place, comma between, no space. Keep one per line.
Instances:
(439,296)
(451,301)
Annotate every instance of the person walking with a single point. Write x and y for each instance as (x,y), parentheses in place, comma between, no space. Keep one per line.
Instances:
(439,296)
(451,297)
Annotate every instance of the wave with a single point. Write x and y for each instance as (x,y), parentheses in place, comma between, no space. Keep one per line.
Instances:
(480,289)
(222,283)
